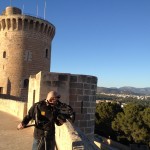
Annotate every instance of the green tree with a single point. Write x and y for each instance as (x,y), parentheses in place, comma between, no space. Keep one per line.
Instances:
(146,116)
(132,124)
(105,113)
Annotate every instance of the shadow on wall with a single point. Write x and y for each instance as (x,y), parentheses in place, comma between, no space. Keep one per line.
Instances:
(8,87)
(4,96)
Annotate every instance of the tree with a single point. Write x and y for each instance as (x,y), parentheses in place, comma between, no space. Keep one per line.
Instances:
(132,124)
(146,116)
(105,113)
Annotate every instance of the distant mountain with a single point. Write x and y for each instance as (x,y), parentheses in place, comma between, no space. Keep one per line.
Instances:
(125,90)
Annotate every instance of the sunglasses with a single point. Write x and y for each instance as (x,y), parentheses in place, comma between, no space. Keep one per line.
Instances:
(54,98)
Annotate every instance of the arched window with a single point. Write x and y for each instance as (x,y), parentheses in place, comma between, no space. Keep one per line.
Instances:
(26,83)
(46,53)
(4,54)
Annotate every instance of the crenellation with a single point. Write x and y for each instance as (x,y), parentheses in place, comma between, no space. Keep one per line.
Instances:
(49,29)
(26,23)
(18,24)
(45,29)
(8,24)
(3,24)
(37,26)
(31,24)
(41,27)
(51,33)
(13,24)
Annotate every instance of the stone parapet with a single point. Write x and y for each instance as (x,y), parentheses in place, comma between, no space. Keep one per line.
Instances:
(68,137)
(83,100)
(16,108)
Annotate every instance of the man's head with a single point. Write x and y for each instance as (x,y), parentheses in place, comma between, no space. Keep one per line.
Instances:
(52,97)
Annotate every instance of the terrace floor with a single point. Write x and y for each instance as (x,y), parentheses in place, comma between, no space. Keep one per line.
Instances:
(10,137)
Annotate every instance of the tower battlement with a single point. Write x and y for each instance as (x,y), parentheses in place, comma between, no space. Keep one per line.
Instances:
(13,20)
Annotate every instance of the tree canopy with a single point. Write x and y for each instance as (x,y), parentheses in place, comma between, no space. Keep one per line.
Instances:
(105,114)
(133,124)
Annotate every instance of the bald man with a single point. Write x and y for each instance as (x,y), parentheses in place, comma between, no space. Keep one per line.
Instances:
(45,117)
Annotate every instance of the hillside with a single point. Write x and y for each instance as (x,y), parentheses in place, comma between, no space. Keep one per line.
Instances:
(125,90)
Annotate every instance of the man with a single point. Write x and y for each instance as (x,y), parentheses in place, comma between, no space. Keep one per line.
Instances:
(45,113)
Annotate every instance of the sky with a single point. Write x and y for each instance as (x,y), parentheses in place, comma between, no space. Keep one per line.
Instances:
(109,39)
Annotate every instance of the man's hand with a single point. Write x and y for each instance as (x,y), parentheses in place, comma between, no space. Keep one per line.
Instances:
(20,126)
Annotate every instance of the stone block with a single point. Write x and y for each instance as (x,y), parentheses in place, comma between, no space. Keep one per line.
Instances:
(82,78)
(76,85)
(73,97)
(73,78)
(94,80)
(63,77)
(87,86)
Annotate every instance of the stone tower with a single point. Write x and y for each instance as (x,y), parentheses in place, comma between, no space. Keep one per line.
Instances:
(25,49)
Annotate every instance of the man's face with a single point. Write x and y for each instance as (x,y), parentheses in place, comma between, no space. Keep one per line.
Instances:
(53,100)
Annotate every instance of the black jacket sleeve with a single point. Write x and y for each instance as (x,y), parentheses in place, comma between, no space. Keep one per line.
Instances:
(29,116)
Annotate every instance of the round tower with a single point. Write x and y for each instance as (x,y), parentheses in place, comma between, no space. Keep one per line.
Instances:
(25,49)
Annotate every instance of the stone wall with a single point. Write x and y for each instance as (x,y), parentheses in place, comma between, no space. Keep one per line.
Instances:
(16,108)
(68,137)
(107,144)
(83,100)
(79,91)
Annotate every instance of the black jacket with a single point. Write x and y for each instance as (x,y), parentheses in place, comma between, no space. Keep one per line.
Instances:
(45,117)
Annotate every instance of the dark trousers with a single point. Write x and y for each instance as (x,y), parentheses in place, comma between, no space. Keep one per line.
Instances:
(49,141)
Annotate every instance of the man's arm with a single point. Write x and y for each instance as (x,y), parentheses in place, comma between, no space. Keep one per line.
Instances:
(27,118)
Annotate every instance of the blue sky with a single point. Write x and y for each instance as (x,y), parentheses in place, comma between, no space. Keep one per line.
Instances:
(109,39)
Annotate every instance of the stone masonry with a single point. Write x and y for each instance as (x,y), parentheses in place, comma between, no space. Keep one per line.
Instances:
(25,49)
(76,90)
